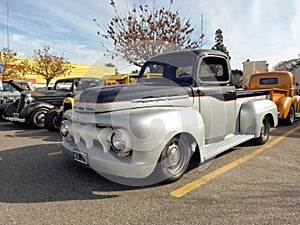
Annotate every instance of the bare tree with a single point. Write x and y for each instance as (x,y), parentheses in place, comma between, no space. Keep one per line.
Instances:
(143,32)
(13,67)
(289,65)
(49,65)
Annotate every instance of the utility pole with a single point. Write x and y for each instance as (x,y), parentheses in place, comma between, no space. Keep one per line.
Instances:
(202,32)
(7,25)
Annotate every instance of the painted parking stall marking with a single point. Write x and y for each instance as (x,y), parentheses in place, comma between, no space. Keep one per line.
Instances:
(54,153)
(180,192)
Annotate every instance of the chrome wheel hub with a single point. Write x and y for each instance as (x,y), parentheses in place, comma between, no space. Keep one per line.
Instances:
(173,155)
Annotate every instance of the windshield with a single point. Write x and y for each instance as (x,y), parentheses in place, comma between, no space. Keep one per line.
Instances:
(176,67)
(85,84)
(64,85)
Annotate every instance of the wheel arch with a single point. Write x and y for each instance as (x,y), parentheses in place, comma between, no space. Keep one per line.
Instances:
(195,145)
(252,113)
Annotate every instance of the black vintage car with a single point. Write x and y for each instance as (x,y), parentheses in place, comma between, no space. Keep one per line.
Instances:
(54,117)
(32,106)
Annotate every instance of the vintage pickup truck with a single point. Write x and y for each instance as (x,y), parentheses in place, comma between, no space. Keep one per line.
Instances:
(282,87)
(151,129)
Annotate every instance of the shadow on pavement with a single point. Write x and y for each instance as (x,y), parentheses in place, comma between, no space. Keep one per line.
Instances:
(30,175)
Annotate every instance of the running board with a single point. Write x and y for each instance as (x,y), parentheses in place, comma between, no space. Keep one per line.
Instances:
(213,149)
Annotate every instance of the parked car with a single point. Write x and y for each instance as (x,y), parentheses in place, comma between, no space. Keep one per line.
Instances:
(153,127)
(11,90)
(32,106)
(54,117)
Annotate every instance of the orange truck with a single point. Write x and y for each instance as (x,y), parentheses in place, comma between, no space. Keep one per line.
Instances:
(282,87)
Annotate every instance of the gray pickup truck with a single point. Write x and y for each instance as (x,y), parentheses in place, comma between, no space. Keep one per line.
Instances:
(183,103)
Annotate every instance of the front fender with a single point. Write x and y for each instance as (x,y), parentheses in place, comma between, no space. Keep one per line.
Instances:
(284,105)
(10,109)
(34,106)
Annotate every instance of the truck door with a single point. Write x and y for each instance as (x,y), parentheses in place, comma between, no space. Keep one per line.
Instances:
(216,98)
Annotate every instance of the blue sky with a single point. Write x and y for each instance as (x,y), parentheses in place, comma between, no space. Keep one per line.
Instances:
(252,29)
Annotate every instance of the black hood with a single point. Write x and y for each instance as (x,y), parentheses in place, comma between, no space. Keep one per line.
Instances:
(49,93)
(139,91)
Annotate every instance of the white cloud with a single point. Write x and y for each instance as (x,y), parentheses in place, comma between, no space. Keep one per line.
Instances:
(258,30)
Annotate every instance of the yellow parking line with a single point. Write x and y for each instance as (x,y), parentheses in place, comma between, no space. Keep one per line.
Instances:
(54,153)
(197,183)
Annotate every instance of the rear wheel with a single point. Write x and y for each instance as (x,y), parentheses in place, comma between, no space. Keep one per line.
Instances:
(174,159)
(264,131)
(37,118)
(53,119)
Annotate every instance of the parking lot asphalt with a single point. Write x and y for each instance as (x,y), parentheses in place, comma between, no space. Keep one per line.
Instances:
(39,185)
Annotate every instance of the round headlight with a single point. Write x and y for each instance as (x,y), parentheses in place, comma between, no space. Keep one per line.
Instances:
(120,141)
(64,128)
(29,99)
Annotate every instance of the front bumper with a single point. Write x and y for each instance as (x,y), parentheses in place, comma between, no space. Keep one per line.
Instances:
(15,118)
(107,162)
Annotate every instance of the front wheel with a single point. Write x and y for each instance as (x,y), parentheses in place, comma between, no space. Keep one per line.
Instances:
(37,118)
(53,119)
(291,116)
(174,159)
(264,131)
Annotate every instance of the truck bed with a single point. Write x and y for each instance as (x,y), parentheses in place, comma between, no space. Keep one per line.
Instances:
(250,93)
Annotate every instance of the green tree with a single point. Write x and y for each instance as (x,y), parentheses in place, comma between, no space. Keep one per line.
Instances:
(13,67)
(145,31)
(49,65)
(219,43)
(238,80)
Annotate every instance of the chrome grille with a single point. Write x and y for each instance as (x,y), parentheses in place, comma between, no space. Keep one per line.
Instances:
(21,103)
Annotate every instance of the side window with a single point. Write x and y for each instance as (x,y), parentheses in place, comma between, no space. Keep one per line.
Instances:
(213,69)
(184,71)
(153,71)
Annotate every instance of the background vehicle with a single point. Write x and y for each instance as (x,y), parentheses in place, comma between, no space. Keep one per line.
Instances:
(153,127)
(283,92)
(32,106)
(11,89)
(120,79)
(53,118)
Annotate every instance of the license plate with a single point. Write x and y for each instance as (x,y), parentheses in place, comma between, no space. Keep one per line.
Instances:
(81,157)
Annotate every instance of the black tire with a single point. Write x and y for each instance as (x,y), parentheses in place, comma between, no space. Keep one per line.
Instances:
(291,116)
(37,118)
(53,119)
(174,159)
(264,131)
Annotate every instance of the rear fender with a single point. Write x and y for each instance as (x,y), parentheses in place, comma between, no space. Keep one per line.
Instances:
(68,103)
(296,102)
(252,114)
